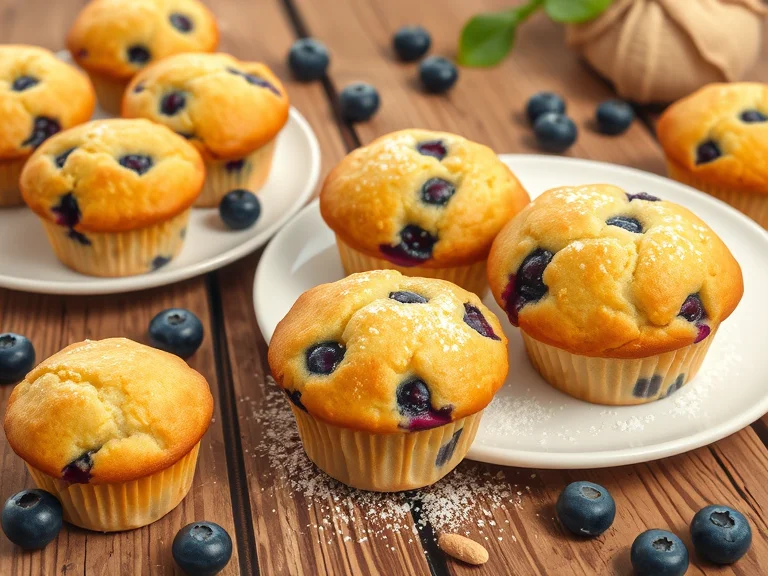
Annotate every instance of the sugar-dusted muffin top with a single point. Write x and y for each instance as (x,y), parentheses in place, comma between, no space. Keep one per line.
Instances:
(720,133)
(382,352)
(596,271)
(226,107)
(423,198)
(39,96)
(118,38)
(107,411)
(112,176)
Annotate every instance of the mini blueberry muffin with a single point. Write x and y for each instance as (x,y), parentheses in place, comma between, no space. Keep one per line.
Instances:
(388,376)
(114,39)
(39,96)
(423,203)
(618,296)
(112,428)
(114,196)
(231,110)
(716,140)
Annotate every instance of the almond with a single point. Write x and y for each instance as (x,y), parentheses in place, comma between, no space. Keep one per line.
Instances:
(462,548)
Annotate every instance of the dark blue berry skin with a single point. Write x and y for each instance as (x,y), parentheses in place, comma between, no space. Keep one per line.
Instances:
(438,74)
(21,83)
(707,152)
(32,518)
(627,223)
(308,59)
(202,549)
(614,117)
(659,553)
(17,357)
(325,357)
(177,331)
(358,102)
(721,534)
(543,102)
(240,209)
(411,43)
(555,132)
(586,509)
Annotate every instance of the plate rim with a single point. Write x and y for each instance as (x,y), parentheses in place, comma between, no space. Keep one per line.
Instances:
(568,460)
(92,286)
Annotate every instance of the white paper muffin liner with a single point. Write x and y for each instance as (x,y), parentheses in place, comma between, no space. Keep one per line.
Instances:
(248,173)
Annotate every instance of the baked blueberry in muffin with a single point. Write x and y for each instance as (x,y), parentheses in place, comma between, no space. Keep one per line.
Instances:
(388,376)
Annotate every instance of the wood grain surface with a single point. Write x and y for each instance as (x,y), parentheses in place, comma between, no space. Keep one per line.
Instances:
(275,525)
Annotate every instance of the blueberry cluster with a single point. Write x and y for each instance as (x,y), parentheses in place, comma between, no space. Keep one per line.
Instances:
(720,534)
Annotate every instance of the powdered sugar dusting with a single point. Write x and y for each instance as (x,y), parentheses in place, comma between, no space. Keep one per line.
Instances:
(510,416)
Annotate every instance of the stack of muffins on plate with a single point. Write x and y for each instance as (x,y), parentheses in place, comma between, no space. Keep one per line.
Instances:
(114,195)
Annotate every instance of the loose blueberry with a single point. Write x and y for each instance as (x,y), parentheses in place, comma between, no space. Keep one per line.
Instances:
(78,237)
(61,159)
(405,297)
(308,59)
(614,117)
(543,102)
(475,320)
(79,470)
(445,453)
(659,553)
(413,398)
(438,74)
(692,309)
(32,518)
(325,357)
(202,549)
(136,162)
(627,223)
(158,262)
(434,148)
(411,43)
(67,211)
(295,398)
(172,103)
(177,331)
(753,116)
(415,246)
(527,285)
(138,55)
(181,22)
(586,509)
(707,152)
(643,196)
(721,534)
(437,191)
(21,83)
(42,129)
(358,102)
(555,132)
(239,209)
(17,357)
(647,387)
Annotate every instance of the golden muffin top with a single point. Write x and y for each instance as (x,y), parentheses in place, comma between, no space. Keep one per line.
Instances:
(107,411)
(39,96)
(382,352)
(720,133)
(112,176)
(422,198)
(596,271)
(118,38)
(226,107)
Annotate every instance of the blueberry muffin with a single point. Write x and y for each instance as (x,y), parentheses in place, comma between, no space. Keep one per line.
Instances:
(618,296)
(114,196)
(388,376)
(716,140)
(112,428)
(232,111)
(114,39)
(423,203)
(39,96)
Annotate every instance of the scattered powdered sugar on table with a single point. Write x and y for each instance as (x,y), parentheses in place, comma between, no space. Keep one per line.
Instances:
(465,499)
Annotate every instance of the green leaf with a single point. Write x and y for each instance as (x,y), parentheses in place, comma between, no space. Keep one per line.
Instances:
(575,11)
(487,38)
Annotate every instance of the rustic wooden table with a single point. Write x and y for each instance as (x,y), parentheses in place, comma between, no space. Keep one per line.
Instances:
(252,478)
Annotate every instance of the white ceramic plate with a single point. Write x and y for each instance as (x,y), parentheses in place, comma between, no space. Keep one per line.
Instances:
(531,424)
(28,263)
